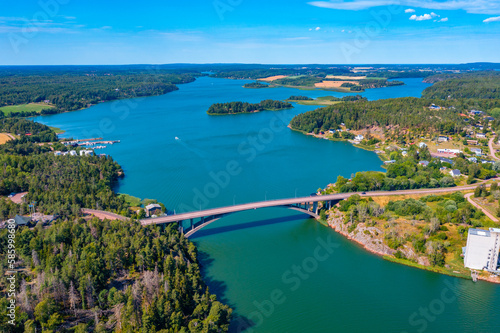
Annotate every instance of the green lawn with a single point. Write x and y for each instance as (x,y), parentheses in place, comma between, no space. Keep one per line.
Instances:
(37,107)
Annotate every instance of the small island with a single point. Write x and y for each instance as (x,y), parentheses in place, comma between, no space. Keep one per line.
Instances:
(255,85)
(244,107)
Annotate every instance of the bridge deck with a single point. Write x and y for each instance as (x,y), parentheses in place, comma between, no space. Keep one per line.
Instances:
(286,202)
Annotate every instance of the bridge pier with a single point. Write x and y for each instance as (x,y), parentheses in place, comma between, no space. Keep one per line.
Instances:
(315,207)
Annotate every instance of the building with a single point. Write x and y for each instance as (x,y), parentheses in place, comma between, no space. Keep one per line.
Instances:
(87,152)
(404,153)
(152,209)
(73,153)
(443,139)
(424,163)
(390,162)
(472,142)
(21,220)
(472,159)
(477,151)
(455,173)
(482,249)
(434,107)
(449,151)
(476,112)
(422,145)
(480,135)
(332,131)
(359,137)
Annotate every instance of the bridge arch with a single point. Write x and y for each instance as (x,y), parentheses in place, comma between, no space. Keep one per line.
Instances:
(211,219)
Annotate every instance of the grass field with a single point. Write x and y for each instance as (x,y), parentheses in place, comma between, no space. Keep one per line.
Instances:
(36,107)
(4,138)
(57,130)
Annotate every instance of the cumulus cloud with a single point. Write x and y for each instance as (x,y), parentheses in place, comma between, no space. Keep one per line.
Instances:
(409,10)
(434,14)
(492,19)
(424,17)
(470,6)
(444,19)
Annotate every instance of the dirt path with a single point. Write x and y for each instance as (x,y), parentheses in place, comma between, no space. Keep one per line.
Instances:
(475,204)
(103,215)
(492,151)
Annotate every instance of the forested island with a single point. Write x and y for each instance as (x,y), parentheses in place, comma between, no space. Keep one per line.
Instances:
(82,274)
(255,85)
(244,107)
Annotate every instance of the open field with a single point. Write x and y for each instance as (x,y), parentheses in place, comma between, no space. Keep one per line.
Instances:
(57,130)
(345,77)
(333,84)
(272,78)
(4,138)
(31,107)
(318,101)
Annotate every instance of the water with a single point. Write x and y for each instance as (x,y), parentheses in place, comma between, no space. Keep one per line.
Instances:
(248,258)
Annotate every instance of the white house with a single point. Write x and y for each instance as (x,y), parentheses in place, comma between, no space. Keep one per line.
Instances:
(359,137)
(443,139)
(455,173)
(480,135)
(477,151)
(482,249)
(449,151)
(87,152)
(422,145)
(73,153)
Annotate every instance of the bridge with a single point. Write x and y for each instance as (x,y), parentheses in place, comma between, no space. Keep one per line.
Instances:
(308,205)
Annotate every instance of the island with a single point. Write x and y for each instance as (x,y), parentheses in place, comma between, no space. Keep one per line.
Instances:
(244,107)
(255,85)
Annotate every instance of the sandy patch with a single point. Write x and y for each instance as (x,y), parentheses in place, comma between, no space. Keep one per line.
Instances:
(333,84)
(272,78)
(345,77)
(4,138)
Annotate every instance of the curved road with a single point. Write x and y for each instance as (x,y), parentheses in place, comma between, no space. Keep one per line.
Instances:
(475,204)
(286,202)
(492,151)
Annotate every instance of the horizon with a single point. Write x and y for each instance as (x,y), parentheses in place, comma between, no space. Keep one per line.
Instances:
(59,32)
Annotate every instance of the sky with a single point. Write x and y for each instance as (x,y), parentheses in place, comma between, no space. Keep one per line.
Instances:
(84,32)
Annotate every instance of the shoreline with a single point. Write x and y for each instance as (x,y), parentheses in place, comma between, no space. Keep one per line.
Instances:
(387,254)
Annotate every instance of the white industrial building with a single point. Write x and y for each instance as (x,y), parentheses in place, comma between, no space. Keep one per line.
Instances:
(482,249)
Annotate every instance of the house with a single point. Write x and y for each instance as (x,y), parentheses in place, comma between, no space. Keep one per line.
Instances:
(445,160)
(480,135)
(21,220)
(482,249)
(424,163)
(332,131)
(73,153)
(455,173)
(434,107)
(477,151)
(359,137)
(443,139)
(390,162)
(476,112)
(404,153)
(57,153)
(422,145)
(472,142)
(152,208)
(87,152)
(489,118)
(480,127)
(472,159)
(449,151)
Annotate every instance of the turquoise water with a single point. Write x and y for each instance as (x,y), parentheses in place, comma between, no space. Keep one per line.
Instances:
(280,271)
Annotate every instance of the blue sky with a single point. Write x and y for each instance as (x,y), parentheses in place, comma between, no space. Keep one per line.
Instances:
(50,32)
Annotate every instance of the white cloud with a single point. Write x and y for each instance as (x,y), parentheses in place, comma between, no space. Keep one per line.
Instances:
(424,17)
(434,14)
(470,6)
(317,28)
(492,19)
(409,10)
(444,19)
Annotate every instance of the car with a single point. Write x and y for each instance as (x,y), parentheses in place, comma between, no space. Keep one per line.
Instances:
(363,192)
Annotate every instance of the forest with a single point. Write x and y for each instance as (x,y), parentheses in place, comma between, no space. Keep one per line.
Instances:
(69,91)
(408,113)
(86,275)
(244,107)
(255,85)
(476,85)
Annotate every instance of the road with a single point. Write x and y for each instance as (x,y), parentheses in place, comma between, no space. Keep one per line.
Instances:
(475,204)
(100,214)
(285,202)
(492,151)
